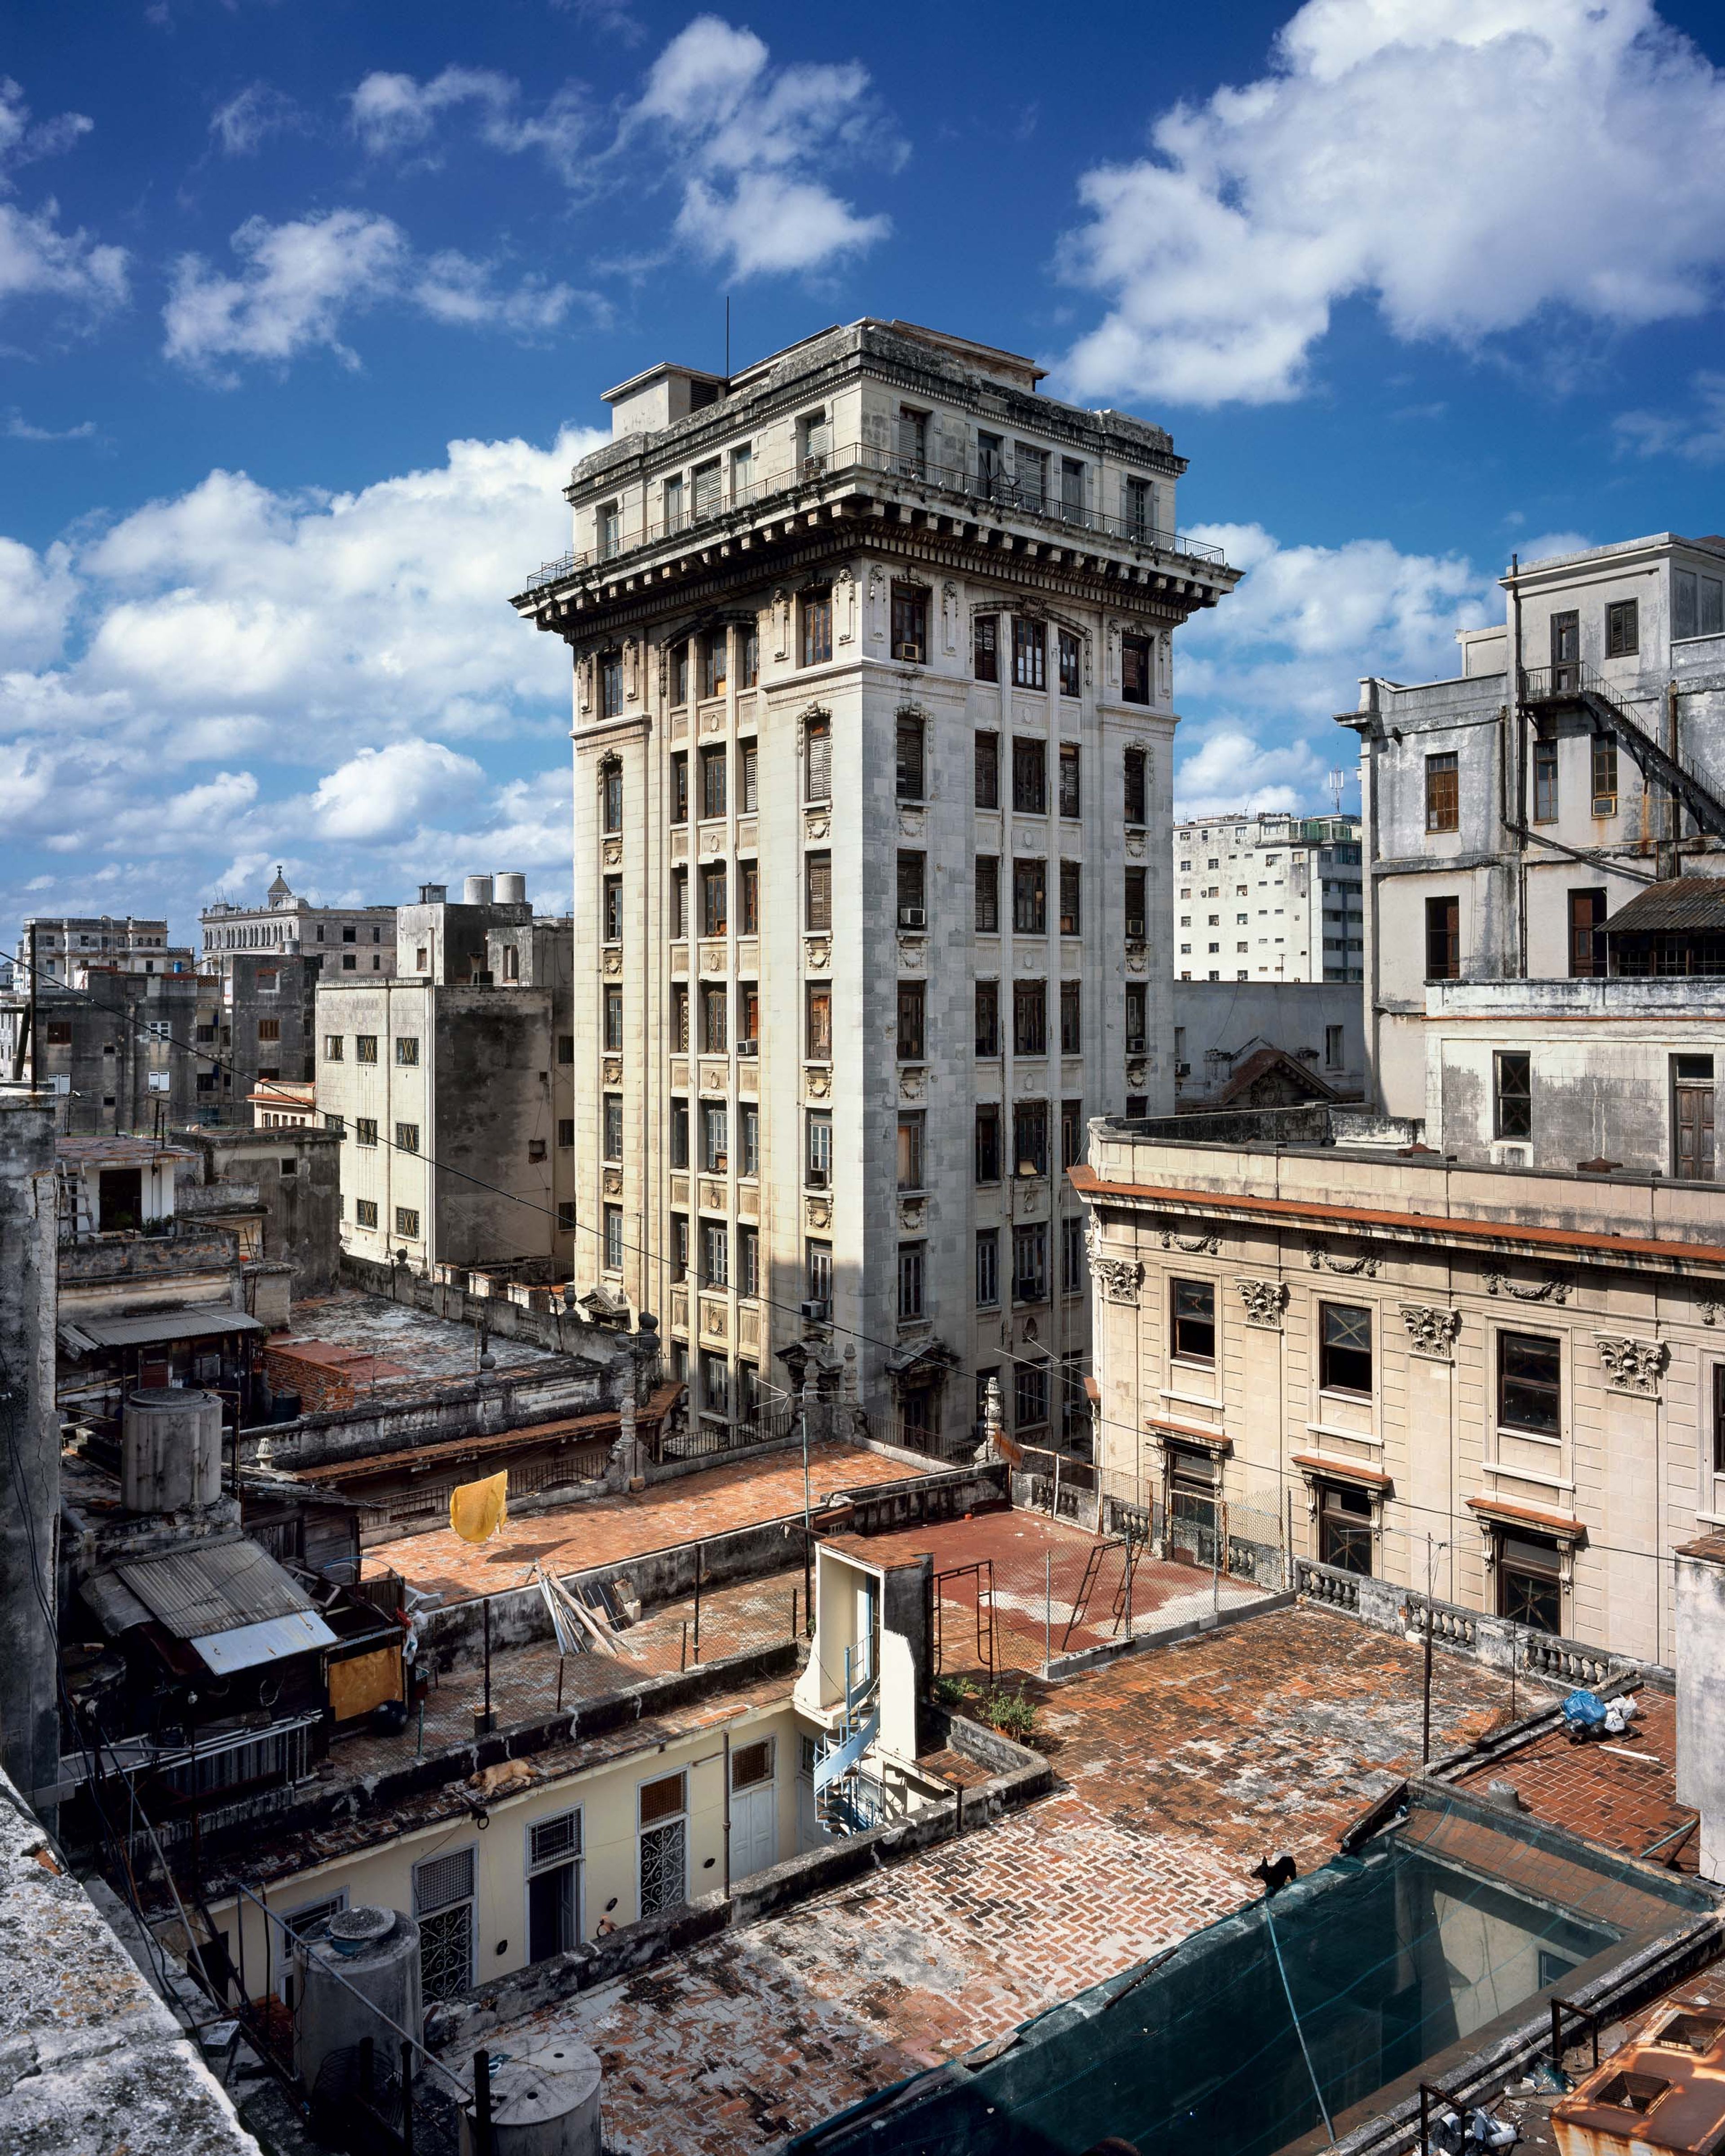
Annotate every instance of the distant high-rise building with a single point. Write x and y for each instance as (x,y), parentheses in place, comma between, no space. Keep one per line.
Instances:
(1268,897)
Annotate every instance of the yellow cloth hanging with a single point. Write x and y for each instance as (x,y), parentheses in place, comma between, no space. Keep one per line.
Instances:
(477,1510)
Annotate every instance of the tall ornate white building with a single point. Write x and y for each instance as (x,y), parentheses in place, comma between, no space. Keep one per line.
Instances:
(873,713)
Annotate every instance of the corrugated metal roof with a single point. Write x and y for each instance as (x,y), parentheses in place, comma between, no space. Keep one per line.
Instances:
(82,1334)
(1690,902)
(248,1645)
(115,1607)
(213,1587)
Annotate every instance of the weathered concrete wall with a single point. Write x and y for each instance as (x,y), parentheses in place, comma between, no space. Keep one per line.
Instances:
(296,1176)
(107,1043)
(1701,1696)
(1237,1017)
(30,1453)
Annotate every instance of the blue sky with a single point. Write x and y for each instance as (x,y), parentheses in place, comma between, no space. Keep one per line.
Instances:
(305,309)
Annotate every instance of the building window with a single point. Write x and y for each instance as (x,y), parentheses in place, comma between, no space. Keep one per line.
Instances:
(713,914)
(406,1050)
(715,1254)
(1443,939)
(613,1139)
(680,787)
(1029,777)
(817,1259)
(1545,782)
(1344,1528)
(748,778)
(1530,1581)
(913,1021)
(444,1908)
(748,1262)
(1138,904)
(987,894)
(679,1247)
(713,781)
(715,664)
(1071,1027)
(908,750)
(1587,935)
(1029,654)
(818,1149)
(1604,775)
(988,1268)
(1512,1094)
(1443,792)
(663,1844)
(1030,1262)
(1068,780)
(365,1130)
(1344,1348)
(1692,1118)
(680,1134)
(817,760)
(816,611)
(988,1018)
(817,1022)
(1070,675)
(714,1019)
(406,1137)
(749,1121)
(610,797)
(1719,1418)
(1029,1138)
(1194,1319)
(365,1212)
(1135,670)
(749,898)
(338,1124)
(748,1013)
(1029,1018)
(1071,885)
(818,890)
(1071,1134)
(987,771)
(1530,1370)
(1029,1396)
(910,624)
(987,1142)
(611,685)
(565,1132)
(614,1239)
(1030,897)
(1622,630)
(612,1019)
(679,1017)
(1332,1047)
(365,1048)
(679,904)
(1029,473)
(912,891)
(910,1256)
(1697,604)
(609,524)
(407,1221)
(1137,786)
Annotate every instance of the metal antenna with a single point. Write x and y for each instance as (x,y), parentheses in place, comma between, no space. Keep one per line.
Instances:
(1338,786)
(728,336)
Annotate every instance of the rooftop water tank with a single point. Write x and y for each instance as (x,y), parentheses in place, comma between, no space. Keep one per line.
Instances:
(511,889)
(546,2103)
(477,890)
(170,1449)
(374,1952)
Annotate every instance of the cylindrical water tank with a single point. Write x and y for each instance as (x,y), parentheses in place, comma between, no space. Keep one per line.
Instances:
(170,1449)
(377,1953)
(511,889)
(477,890)
(546,2103)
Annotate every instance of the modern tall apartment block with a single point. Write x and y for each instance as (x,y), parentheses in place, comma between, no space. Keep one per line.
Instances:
(873,712)
(1269,896)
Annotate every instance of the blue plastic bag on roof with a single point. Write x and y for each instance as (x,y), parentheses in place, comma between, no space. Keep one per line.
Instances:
(1585,1708)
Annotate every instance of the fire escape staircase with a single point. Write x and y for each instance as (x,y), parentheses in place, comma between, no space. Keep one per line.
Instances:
(1570,687)
(843,1799)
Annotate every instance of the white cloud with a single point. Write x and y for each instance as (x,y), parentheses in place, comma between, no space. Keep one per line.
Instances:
(39,259)
(1262,677)
(247,118)
(1698,437)
(17,428)
(231,671)
(300,280)
(1466,164)
(391,114)
(23,140)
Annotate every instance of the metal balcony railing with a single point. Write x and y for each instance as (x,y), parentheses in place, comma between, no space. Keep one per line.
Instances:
(977,493)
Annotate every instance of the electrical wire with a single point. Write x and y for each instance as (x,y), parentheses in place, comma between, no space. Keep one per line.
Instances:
(1294,1478)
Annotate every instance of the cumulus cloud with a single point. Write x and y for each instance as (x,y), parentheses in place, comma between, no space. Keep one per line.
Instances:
(393,112)
(299,280)
(1466,165)
(39,259)
(1697,436)
(233,672)
(247,118)
(1262,676)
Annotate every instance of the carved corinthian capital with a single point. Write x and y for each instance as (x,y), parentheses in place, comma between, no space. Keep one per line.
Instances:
(1632,1366)
(1431,1333)
(1264,1301)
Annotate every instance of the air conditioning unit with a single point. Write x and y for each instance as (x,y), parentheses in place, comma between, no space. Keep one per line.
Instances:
(1134,931)
(817,1310)
(1512,1156)
(748,1047)
(911,652)
(912,916)
(1135,1043)
(1183,1070)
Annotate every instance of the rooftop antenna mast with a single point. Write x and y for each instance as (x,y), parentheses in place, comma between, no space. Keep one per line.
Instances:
(728,336)
(1338,783)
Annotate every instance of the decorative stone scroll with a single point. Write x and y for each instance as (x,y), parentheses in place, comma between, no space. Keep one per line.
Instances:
(817,1081)
(1264,1301)
(1632,1366)
(1118,1280)
(1193,1247)
(818,1212)
(1712,1310)
(1431,1333)
(1551,1289)
(1364,1267)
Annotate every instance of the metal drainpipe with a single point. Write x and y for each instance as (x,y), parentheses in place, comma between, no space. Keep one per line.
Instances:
(1518,685)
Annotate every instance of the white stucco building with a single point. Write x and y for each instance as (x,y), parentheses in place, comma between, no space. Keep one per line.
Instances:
(1268,897)
(874,698)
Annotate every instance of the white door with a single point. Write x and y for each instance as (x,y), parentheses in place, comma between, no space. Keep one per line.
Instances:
(754,1830)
